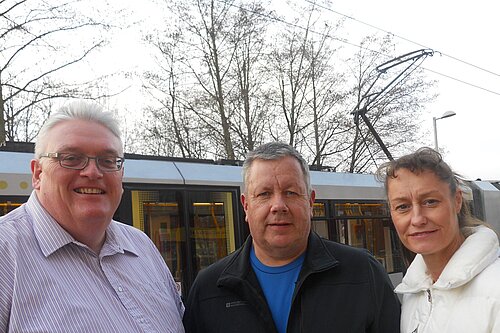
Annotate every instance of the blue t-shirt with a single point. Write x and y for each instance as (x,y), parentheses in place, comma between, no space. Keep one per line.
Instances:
(278,284)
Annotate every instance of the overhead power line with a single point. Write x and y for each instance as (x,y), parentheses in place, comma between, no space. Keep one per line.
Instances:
(424,46)
(462,81)
(403,38)
(345,41)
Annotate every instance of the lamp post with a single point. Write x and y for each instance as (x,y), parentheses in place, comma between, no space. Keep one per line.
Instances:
(434,119)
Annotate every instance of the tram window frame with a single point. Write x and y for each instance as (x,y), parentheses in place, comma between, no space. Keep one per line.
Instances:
(324,218)
(183,194)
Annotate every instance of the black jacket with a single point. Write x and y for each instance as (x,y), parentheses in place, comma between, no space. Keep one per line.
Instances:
(340,289)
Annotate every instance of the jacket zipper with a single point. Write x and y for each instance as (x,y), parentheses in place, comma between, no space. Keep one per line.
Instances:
(429,299)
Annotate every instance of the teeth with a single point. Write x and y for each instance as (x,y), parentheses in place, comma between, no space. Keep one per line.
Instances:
(89,191)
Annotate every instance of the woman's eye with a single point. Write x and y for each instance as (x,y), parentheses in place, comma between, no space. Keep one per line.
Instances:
(431,202)
(402,207)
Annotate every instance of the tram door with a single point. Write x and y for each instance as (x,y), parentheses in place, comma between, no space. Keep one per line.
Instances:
(191,229)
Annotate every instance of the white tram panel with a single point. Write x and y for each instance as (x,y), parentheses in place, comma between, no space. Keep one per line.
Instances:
(346,186)
(151,172)
(210,174)
(15,173)
(490,197)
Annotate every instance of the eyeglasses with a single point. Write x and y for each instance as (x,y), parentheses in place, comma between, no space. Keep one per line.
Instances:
(80,161)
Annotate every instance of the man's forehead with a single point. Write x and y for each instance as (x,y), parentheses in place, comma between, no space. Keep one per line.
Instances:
(52,140)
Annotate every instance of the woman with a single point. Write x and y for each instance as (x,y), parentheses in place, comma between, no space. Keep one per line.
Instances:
(453,283)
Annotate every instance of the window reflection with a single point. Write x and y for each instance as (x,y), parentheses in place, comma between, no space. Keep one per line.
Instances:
(212,228)
(359,224)
(7,206)
(209,227)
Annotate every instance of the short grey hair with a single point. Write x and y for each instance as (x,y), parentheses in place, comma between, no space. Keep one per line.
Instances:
(78,110)
(274,151)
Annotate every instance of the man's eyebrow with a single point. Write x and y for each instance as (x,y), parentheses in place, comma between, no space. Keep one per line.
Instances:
(108,151)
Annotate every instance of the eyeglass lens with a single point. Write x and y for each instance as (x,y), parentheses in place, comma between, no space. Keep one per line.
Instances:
(76,161)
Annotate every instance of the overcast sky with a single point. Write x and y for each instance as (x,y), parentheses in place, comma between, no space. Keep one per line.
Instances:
(461,33)
(465,30)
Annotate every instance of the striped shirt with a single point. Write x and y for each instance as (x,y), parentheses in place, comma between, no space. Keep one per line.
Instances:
(49,282)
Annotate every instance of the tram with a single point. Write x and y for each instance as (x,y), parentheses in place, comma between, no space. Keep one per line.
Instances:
(191,209)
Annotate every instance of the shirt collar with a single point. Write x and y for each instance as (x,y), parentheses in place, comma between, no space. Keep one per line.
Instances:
(51,236)
(117,241)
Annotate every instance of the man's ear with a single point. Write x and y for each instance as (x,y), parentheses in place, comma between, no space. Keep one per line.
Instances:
(36,171)
(244,202)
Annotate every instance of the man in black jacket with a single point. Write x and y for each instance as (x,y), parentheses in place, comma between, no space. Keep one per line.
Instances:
(285,278)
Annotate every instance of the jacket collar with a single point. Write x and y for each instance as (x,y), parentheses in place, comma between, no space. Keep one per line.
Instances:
(318,258)
(240,278)
(477,252)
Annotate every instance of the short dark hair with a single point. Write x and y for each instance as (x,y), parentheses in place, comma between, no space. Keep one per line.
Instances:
(274,151)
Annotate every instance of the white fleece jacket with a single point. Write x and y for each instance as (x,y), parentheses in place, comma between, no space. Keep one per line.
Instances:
(465,298)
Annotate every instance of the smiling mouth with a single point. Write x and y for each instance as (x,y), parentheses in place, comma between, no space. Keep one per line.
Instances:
(89,191)
(422,233)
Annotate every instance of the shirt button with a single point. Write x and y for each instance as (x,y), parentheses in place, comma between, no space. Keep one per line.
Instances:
(120,289)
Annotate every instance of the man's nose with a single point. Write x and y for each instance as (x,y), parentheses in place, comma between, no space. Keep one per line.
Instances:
(278,203)
(92,170)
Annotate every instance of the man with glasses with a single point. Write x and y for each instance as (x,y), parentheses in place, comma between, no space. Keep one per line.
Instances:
(65,265)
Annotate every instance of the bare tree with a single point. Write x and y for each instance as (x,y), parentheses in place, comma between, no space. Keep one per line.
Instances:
(325,101)
(207,25)
(171,119)
(211,73)
(216,86)
(250,99)
(33,48)
(289,62)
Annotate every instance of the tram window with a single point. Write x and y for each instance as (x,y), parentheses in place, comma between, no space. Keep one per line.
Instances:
(321,228)
(374,235)
(368,225)
(319,209)
(212,229)
(162,225)
(361,209)
(157,213)
(6,207)
(10,203)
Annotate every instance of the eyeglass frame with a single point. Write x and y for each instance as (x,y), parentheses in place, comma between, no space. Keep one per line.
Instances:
(58,157)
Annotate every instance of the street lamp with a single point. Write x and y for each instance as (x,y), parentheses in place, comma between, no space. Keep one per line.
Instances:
(434,119)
